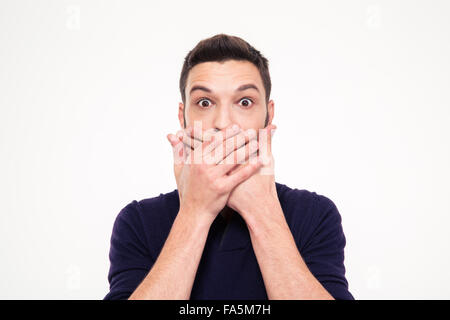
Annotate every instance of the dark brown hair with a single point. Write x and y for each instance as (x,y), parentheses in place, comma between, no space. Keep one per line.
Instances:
(220,48)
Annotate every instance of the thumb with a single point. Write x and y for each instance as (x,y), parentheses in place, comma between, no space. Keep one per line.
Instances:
(177,147)
(172,139)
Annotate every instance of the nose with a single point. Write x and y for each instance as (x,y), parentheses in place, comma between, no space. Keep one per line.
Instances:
(223,117)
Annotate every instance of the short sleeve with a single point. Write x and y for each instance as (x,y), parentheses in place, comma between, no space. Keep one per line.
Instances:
(129,258)
(323,251)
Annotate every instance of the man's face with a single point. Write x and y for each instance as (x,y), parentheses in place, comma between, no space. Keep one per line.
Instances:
(220,94)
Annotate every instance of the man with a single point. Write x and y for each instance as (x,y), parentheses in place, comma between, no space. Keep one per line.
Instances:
(228,231)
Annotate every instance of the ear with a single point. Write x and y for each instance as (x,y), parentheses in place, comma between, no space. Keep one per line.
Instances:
(270,111)
(181,115)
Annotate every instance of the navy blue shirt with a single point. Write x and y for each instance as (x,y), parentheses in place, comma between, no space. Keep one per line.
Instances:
(228,268)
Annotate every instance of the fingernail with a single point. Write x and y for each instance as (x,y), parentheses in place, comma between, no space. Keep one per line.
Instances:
(235,127)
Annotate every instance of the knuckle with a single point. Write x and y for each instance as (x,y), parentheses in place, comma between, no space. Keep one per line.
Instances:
(218,186)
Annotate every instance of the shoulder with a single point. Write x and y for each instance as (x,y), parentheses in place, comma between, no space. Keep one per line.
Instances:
(302,202)
(158,207)
(302,196)
(307,212)
(148,220)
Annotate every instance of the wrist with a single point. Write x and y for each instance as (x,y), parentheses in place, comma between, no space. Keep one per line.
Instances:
(264,217)
(195,218)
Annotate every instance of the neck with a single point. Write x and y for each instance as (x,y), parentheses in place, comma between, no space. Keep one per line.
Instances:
(226,213)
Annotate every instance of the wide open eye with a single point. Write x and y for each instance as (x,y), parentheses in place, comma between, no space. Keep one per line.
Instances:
(202,104)
(248,102)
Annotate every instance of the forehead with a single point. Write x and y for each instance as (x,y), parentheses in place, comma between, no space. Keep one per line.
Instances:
(228,74)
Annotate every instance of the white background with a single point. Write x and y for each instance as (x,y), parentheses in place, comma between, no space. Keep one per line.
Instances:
(89,90)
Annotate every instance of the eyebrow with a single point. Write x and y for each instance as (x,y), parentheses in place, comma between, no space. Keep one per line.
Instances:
(241,88)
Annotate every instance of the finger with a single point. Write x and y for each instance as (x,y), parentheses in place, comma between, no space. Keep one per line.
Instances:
(243,173)
(217,139)
(177,148)
(210,137)
(224,149)
(251,159)
(238,157)
(194,133)
(185,146)
(241,154)
(207,134)
(193,144)
(190,142)
(237,142)
(172,139)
